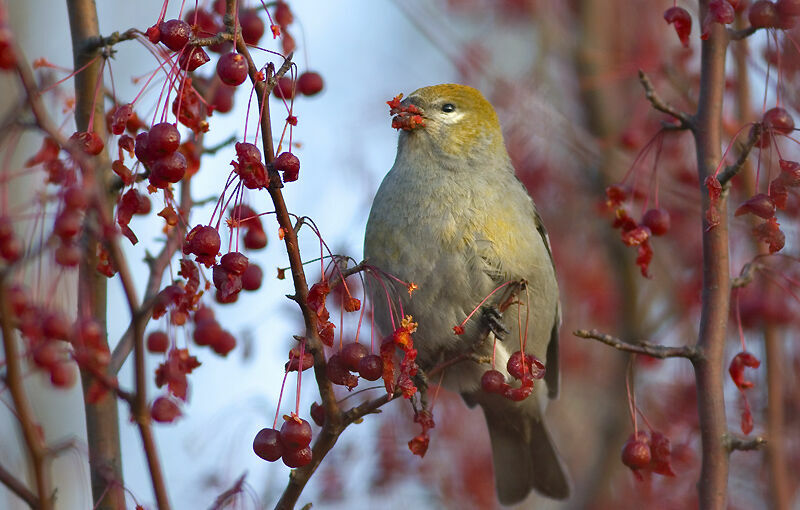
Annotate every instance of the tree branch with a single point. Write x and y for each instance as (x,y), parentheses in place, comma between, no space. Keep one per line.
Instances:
(645,348)
(734,442)
(744,152)
(16,486)
(686,121)
(715,302)
(34,441)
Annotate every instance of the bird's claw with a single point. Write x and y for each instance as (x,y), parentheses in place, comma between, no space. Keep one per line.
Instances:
(494,321)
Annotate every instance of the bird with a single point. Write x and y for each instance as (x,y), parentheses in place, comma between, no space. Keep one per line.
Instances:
(452,218)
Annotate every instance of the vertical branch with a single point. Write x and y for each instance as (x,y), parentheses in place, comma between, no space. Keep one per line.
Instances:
(102,420)
(709,368)
(778,489)
(34,441)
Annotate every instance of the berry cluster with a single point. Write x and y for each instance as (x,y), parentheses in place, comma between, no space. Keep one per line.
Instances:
(407,118)
(525,368)
(654,222)
(68,224)
(648,454)
(243,216)
(354,357)
(157,149)
(290,444)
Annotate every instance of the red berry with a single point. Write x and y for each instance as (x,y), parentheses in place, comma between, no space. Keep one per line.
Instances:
(657,220)
(338,374)
(515,365)
(68,223)
(223,98)
(68,255)
(521,393)
(142,148)
(255,239)
(267,445)
(170,168)
(295,433)
(223,343)
(164,410)
(636,453)
(318,414)
(297,458)
(682,21)
(252,277)
(287,163)
(175,34)
(252,26)
(206,331)
(493,381)
(294,360)
(55,326)
(371,367)
(192,58)
(88,142)
(203,240)
(232,69)
(777,119)
(763,14)
(203,20)
(352,355)
(76,198)
(788,7)
(284,88)
(63,375)
(220,6)
(163,138)
(234,262)
(157,341)
(283,14)
(309,83)
(203,313)
(47,355)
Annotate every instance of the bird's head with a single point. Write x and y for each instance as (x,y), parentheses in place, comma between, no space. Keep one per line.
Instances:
(451,120)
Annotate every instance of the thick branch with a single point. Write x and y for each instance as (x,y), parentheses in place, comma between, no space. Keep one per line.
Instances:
(645,348)
(715,307)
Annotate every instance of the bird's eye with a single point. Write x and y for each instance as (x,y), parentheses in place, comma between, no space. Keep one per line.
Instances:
(448,107)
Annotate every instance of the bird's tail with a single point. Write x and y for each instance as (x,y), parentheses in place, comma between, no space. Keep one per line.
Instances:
(523,454)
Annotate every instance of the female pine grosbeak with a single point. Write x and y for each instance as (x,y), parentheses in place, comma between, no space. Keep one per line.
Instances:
(451,217)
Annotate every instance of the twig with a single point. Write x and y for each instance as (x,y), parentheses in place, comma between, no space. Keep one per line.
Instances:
(686,121)
(646,348)
(735,442)
(223,499)
(738,35)
(16,486)
(731,170)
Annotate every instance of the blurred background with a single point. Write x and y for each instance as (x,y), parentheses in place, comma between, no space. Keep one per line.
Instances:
(563,77)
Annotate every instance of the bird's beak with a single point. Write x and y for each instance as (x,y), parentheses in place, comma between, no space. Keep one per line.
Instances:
(408,115)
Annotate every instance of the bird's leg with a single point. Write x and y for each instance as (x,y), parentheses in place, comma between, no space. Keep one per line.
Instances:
(494,321)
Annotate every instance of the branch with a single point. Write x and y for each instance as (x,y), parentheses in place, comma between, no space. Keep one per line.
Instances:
(738,35)
(686,121)
(715,300)
(734,442)
(645,348)
(16,486)
(34,442)
(731,170)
